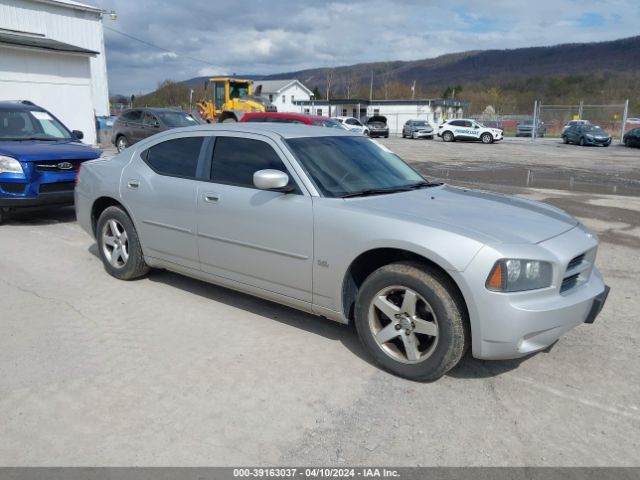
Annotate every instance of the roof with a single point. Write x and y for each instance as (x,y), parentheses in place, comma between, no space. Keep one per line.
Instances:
(437,102)
(73,4)
(276,86)
(284,130)
(40,42)
(19,105)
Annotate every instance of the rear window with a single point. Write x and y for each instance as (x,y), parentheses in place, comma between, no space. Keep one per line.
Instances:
(177,157)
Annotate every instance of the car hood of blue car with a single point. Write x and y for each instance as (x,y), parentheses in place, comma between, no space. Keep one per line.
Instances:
(38,150)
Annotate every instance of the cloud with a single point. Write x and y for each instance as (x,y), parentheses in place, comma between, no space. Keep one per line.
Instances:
(263,36)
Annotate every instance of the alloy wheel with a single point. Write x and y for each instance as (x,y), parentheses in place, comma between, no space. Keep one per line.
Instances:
(403,324)
(115,243)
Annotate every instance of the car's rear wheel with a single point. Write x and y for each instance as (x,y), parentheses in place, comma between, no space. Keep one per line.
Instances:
(581,142)
(119,245)
(627,143)
(447,137)
(122,143)
(486,138)
(411,321)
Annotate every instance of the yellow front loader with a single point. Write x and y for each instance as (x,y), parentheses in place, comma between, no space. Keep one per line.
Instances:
(229,99)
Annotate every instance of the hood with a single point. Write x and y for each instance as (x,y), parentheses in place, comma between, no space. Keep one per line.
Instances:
(377,119)
(35,150)
(486,217)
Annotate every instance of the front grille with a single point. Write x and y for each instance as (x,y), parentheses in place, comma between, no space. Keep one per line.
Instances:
(13,187)
(569,283)
(57,187)
(575,262)
(58,166)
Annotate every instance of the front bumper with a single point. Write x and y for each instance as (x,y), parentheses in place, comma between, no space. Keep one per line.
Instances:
(595,141)
(41,200)
(422,134)
(513,325)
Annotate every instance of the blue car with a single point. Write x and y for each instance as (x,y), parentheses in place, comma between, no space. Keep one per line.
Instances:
(39,158)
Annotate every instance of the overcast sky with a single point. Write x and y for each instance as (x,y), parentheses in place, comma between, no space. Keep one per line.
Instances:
(273,36)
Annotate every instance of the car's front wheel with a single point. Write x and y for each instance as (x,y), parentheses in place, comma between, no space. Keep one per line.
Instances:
(411,320)
(122,143)
(581,142)
(565,139)
(119,245)
(447,137)
(486,138)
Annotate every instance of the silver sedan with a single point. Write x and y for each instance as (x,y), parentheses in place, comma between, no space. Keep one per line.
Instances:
(337,225)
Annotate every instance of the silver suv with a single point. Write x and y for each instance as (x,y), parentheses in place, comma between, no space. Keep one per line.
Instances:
(335,224)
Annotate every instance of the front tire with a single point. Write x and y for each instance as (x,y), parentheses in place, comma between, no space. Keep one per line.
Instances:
(565,139)
(447,137)
(581,143)
(119,245)
(486,138)
(411,321)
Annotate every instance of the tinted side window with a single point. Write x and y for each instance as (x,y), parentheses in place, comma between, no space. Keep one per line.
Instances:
(457,123)
(177,157)
(133,116)
(235,160)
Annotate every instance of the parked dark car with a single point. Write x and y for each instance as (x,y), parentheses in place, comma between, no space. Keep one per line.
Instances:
(632,138)
(39,157)
(525,129)
(139,123)
(586,135)
(417,129)
(378,126)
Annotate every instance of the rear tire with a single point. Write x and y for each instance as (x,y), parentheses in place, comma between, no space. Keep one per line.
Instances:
(119,245)
(122,143)
(447,137)
(412,321)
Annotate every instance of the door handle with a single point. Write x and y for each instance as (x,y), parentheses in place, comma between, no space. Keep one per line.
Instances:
(133,184)
(211,197)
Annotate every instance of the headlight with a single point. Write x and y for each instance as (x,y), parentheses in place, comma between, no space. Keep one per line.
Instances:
(10,165)
(515,275)
(589,136)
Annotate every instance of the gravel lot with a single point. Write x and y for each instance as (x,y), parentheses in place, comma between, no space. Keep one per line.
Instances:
(172,371)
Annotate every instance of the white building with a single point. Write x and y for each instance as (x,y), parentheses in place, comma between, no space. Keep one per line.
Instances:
(52,53)
(283,93)
(434,111)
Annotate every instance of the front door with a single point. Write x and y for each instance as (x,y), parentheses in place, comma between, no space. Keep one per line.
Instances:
(254,237)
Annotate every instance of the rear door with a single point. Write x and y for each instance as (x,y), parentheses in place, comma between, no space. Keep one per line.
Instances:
(255,237)
(160,187)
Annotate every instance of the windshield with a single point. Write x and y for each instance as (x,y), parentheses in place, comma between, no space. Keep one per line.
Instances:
(420,124)
(592,129)
(340,166)
(177,119)
(31,125)
(328,123)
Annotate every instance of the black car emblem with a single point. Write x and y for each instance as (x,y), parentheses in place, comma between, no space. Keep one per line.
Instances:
(65,166)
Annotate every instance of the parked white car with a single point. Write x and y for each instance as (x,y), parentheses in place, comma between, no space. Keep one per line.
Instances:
(469,130)
(353,124)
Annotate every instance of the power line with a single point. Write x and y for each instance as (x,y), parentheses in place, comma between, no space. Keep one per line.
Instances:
(160,48)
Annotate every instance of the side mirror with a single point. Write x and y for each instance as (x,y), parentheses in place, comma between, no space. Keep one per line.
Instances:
(156,124)
(476,126)
(78,134)
(271,180)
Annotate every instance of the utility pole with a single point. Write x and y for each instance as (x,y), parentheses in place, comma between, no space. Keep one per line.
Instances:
(580,109)
(413,90)
(535,120)
(371,88)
